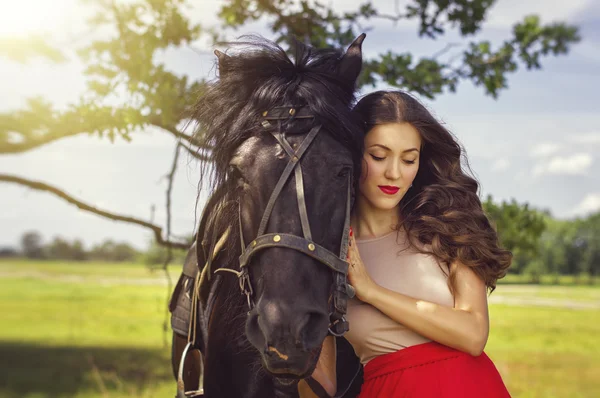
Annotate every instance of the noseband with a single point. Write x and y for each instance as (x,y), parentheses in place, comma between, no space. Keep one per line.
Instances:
(337,263)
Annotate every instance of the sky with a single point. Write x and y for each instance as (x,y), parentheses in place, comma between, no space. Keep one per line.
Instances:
(539,142)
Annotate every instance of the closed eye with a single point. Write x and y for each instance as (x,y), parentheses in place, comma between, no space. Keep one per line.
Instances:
(376,158)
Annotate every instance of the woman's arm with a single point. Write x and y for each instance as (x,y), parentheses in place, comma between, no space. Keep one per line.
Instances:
(464,327)
(324,373)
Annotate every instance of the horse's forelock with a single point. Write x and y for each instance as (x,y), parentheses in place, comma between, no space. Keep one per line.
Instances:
(256,75)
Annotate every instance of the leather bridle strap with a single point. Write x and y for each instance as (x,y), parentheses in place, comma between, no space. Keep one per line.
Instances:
(293,162)
(289,241)
(341,290)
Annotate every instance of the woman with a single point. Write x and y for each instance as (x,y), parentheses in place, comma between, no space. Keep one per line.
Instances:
(422,258)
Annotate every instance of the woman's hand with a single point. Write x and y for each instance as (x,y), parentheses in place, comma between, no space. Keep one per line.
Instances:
(324,373)
(357,273)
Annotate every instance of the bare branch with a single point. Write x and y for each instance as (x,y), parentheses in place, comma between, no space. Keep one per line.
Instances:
(40,186)
(170,177)
(393,18)
(188,138)
(193,141)
(169,257)
(444,50)
(195,153)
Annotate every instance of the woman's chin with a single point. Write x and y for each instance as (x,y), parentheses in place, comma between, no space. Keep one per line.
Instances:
(386,203)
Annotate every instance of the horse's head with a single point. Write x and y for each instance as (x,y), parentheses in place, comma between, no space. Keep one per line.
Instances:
(287,147)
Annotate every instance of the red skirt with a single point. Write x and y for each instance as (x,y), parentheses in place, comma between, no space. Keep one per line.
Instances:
(432,370)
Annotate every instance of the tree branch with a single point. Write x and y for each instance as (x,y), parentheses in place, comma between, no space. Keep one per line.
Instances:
(195,154)
(170,178)
(193,141)
(169,258)
(40,186)
(31,143)
(190,139)
(393,18)
(22,49)
(444,50)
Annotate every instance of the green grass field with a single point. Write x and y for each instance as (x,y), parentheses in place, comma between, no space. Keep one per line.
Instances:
(95,330)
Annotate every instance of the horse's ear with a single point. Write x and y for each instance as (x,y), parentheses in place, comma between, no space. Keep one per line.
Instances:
(351,62)
(222,57)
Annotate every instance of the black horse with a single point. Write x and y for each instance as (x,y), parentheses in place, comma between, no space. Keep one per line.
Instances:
(286,152)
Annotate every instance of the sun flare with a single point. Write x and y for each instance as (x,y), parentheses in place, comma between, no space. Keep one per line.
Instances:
(25,17)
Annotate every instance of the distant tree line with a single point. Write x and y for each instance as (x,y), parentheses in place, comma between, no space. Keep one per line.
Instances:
(544,245)
(540,243)
(33,247)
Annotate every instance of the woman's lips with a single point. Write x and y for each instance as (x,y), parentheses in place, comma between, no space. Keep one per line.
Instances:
(389,190)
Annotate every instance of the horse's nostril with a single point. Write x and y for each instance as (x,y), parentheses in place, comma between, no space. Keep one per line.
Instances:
(253,331)
(312,328)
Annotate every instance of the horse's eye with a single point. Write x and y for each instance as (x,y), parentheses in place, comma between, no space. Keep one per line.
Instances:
(344,171)
(234,174)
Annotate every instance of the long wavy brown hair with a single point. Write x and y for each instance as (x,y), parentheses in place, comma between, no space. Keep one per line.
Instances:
(442,212)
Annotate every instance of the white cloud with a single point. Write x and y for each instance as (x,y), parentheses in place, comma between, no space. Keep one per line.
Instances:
(521,176)
(506,12)
(544,149)
(587,138)
(501,164)
(589,204)
(575,164)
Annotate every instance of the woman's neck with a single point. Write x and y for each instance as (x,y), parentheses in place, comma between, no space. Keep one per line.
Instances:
(371,222)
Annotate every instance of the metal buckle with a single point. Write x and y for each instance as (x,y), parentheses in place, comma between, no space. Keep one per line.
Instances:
(336,324)
(246,286)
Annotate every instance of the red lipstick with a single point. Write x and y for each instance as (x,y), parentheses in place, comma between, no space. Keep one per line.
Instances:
(388,189)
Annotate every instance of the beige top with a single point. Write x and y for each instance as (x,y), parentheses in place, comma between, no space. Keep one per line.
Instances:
(393,265)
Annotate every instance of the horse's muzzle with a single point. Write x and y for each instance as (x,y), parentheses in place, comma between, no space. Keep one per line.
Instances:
(288,341)
(294,367)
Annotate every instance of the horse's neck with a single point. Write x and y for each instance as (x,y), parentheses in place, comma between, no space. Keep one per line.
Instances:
(231,362)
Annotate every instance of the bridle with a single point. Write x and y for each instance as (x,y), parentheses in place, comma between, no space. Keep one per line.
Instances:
(342,291)
(337,263)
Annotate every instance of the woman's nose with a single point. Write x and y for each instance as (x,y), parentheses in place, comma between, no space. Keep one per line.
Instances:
(392,172)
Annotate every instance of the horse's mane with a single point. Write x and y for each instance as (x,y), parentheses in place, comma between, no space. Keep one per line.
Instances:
(254,76)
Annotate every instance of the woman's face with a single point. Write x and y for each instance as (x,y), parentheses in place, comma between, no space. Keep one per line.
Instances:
(390,164)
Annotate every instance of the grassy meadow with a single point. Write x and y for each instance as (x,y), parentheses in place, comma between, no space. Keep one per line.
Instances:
(96,330)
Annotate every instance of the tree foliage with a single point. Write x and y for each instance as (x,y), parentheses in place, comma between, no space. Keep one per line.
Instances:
(60,248)
(31,245)
(480,62)
(129,90)
(544,245)
(519,228)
